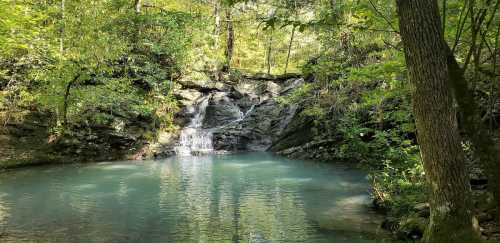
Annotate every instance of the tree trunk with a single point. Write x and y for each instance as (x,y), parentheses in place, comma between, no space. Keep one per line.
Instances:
(66,100)
(63,16)
(451,217)
(290,48)
(137,6)
(136,26)
(229,41)
(492,86)
(333,5)
(476,131)
(269,52)
(443,16)
(217,23)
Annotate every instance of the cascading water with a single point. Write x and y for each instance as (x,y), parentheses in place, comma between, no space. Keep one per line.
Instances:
(243,115)
(194,139)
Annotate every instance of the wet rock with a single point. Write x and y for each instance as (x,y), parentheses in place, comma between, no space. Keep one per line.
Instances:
(243,113)
(295,136)
(221,110)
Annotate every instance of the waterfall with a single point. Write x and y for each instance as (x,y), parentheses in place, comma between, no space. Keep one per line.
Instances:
(244,115)
(194,139)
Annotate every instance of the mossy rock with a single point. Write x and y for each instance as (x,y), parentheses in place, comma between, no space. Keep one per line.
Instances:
(412,228)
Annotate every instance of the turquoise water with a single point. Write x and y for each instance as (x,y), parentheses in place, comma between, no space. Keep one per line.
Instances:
(253,197)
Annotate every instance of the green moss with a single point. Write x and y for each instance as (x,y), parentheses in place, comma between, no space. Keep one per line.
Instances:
(412,227)
(450,233)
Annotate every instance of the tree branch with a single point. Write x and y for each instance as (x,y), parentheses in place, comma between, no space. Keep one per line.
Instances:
(383,16)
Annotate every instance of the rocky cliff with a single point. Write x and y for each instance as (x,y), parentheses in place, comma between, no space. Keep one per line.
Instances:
(242,113)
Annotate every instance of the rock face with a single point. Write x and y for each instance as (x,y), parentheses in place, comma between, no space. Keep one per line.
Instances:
(119,140)
(221,110)
(240,114)
(24,141)
(29,141)
(244,115)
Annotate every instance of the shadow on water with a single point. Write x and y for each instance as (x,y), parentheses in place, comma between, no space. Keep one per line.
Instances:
(254,197)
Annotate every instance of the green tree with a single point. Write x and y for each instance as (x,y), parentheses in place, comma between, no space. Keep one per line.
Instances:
(444,161)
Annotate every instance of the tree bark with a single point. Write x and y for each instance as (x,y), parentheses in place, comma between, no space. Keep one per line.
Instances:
(290,48)
(269,52)
(63,16)
(443,16)
(451,217)
(66,100)
(229,41)
(476,131)
(471,123)
(492,85)
(137,6)
(217,23)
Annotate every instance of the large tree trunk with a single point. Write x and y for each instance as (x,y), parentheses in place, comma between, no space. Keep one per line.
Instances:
(451,217)
(476,131)
(471,122)
(229,41)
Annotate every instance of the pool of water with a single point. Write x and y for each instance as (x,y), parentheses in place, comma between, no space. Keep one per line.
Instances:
(254,197)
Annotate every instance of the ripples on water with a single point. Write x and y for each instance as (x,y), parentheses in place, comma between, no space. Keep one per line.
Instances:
(252,197)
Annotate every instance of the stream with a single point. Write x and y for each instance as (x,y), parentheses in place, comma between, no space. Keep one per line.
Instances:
(250,197)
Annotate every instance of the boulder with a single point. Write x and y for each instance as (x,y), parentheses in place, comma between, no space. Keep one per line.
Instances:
(254,133)
(273,88)
(204,86)
(187,97)
(412,228)
(248,88)
(220,111)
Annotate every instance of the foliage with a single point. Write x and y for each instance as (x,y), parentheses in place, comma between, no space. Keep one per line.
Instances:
(96,58)
(360,77)
(360,94)
(253,34)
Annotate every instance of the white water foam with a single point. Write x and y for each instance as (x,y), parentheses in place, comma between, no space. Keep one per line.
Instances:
(194,139)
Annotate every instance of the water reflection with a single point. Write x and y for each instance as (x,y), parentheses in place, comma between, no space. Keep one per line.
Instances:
(4,213)
(233,198)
